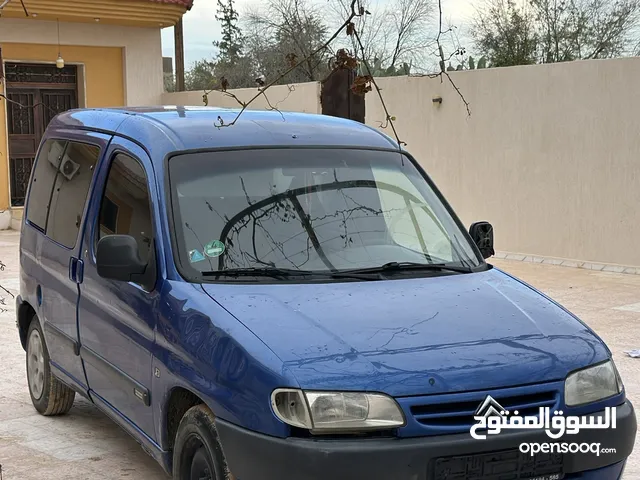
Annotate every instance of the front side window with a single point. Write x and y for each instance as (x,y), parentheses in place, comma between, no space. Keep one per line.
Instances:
(126,209)
(312,210)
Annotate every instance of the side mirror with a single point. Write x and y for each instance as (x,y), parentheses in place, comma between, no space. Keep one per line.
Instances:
(118,258)
(482,235)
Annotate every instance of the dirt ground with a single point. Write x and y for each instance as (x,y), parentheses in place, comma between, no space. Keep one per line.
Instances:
(85,444)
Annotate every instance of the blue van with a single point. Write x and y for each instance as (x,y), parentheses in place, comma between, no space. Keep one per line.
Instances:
(290,297)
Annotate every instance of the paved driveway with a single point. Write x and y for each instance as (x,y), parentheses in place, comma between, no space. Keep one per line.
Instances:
(85,444)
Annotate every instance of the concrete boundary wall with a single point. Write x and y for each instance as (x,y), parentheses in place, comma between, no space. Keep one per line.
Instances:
(301,97)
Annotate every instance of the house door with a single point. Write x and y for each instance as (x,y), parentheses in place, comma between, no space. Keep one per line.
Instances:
(36,94)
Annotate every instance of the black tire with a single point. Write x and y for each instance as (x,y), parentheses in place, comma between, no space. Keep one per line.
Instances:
(55,398)
(197,451)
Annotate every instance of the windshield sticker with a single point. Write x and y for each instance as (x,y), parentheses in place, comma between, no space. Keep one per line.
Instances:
(196,256)
(215,248)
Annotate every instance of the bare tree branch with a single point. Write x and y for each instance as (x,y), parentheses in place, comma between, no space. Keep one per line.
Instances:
(2,301)
(343,59)
(392,32)
(443,67)
(460,94)
(18,104)
(323,47)
(388,118)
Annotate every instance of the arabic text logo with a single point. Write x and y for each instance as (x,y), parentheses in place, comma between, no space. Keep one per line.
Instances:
(493,418)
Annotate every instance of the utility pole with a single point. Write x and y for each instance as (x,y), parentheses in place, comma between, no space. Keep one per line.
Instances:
(179,46)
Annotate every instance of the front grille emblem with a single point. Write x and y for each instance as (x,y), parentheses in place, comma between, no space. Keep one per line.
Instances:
(490,408)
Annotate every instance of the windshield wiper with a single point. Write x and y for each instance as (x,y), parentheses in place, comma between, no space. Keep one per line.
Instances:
(275,272)
(407,266)
(256,272)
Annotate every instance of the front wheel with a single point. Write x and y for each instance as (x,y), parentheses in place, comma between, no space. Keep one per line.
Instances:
(48,394)
(197,454)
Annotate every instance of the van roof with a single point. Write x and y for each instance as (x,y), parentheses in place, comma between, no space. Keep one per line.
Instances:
(189,128)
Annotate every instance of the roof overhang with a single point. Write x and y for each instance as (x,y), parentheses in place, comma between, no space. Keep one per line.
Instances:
(140,13)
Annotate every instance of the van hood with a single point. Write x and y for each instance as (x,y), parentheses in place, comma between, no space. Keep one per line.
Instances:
(418,336)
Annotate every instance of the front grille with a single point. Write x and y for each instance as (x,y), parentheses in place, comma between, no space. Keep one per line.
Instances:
(452,414)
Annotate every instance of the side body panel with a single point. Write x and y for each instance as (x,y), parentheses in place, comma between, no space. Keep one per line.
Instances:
(51,271)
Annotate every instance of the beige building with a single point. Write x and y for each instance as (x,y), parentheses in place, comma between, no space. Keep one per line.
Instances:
(62,54)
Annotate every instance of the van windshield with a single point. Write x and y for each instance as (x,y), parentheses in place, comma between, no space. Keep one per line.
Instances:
(312,210)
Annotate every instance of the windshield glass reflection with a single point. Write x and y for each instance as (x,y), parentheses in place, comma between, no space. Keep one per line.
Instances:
(309,209)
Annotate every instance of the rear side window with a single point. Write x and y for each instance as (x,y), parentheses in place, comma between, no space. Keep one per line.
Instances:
(70,190)
(42,182)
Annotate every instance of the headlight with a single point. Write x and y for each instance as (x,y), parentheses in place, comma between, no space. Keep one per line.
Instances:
(336,411)
(592,384)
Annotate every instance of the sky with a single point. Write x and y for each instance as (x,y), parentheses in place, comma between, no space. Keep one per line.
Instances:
(201,28)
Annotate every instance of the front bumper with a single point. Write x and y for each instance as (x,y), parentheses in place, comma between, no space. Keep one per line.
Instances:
(253,456)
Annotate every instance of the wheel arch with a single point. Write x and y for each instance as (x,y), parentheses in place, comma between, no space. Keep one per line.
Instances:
(178,401)
(25,313)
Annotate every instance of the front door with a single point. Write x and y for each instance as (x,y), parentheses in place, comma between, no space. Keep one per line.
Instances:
(117,320)
(36,94)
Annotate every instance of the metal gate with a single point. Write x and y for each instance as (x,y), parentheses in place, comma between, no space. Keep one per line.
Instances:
(337,97)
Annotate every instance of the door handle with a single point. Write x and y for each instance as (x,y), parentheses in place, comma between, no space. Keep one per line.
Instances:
(76,270)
